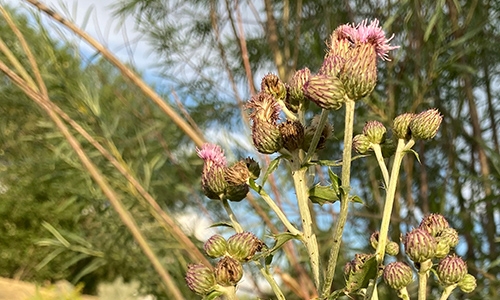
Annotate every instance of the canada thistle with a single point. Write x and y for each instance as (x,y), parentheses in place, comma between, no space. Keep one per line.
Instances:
(398,275)
(212,178)
(425,125)
(266,135)
(200,279)
(451,270)
(420,245)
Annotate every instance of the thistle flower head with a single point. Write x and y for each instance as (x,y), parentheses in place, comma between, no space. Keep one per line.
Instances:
(401,125)
(212,177)
(398,275)
(228,271)
(392,248)
(253,167)
(425,125)
(375,132)
(359,72)
(451,270)
(467,284)
(420,245)
(200,279)
(361,143)
(243,246)
(332,64)
(434,224)
(295,93)
(215,246)
(272,85)
(449,236)
(326,91)
(292,133)
(374,34)
(264,108)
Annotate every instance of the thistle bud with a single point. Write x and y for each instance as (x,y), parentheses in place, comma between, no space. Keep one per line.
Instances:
(449,236)
(375,132)
(361,143)
(342,40)
(212,177)
(311,129)
(420,245)
(332,65)
(359,73)
(398,275)
(215,246)
(266,137)
(228,271)
(237,177)
(295,92)
(292,133)
(253,168)
(426,124)
(401,126)
(442,249)
(272,85)
(434,224)
(243,246)
(467,284)
(326,91)
(392,248)
(200,279)
(451,270)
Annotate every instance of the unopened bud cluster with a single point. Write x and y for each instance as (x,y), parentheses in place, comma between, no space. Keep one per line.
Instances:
(228,271)
(221,182)
(422,126)
(348,72)
(429,246)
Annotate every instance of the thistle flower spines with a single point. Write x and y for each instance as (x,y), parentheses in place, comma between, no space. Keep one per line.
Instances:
(228,271)
(243,246)
(375,132)
(425,125)
(434,224)
(401,126)
(468,283)
(451,270)
(398,275)
(272,85)
(215,246)
(200,279)
(292,133)
(326,91)
(212,178)
(420,245)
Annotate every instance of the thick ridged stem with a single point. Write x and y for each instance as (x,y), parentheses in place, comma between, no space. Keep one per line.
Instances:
(344,204)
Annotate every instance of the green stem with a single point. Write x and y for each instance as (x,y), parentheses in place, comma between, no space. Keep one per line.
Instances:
(403,294)
(447,291)
(275,208)
(232,217)
(389,197)
(317,136)
(228,291)
(380,159)
(422,285)
(344,203)
(309,238)
(270,279)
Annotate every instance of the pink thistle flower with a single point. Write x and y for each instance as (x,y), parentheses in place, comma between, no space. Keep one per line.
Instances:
(375,35)
(212,154)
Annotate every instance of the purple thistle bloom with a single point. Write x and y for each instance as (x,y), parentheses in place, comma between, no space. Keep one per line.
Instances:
(212,154)
(375,35)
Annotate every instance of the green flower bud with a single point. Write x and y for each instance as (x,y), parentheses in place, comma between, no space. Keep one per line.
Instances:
(311,129)
(266,137)
(420,245)
(374,239)
(448,236)
(215,246)
(401,126)
(237,177)
(332,65)
(442,249)
(375,132)
(326,91)
(359,73)
(200,279)
(392,248)
(272,85)
(228,271)
(451,270)
(426,124)
(253,167)
(361,143)
(295,92)
(243,246)
(398,275)
(292,133)
(467,284)
(434,224)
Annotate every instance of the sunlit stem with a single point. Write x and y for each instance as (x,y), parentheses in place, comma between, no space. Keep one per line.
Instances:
(423,275)
(270,279)
(403,294)
(447,291)
(317,135)
(236,225)
(380,159)
(389,197)
(275,208)
(344,203)
(299,175)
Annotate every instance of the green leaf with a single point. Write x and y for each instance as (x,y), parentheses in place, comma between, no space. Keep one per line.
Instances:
(49,258)
(356,199)
(361,278)
(272,167)
(56,234)
(414,153)
(335,180)
(221,224)
(323,194)
(91,267)
(269,259)
(281,238)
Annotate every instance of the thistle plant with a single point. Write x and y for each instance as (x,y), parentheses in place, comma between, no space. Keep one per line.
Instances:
(283,125)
